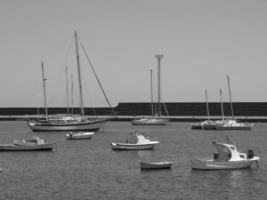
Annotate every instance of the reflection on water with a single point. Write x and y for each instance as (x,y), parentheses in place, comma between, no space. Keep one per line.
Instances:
(89,169)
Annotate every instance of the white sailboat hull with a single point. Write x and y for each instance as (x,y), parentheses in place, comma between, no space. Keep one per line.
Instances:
(234,127)
(216,165)
(92,125)
(152,121)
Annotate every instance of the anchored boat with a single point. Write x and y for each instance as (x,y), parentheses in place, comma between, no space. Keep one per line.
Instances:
(80,135)
(33,144)
(135,141)
(155,165)
(226,157)
(69,123)
(155,118)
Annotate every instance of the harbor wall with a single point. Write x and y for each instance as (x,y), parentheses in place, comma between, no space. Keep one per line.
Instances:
(136,109)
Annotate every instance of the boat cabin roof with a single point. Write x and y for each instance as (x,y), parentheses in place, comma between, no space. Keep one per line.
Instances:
(228,152)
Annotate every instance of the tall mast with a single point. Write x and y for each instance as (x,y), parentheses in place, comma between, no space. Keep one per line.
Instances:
(71,93)
(44,79)
(79,74)
(230,96)
(151,86)
(67,90)
(207,104)
(221,104)
(159,84)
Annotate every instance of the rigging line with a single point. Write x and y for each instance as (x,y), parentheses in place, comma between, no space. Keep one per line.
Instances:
(165,108)
(93,69)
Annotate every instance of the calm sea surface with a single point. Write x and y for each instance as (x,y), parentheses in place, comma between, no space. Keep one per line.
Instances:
(89,169)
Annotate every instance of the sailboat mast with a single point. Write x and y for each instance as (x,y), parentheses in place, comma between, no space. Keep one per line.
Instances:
(230,96)
(159,84)
(221,104)
(44,79)
(151,86)
(207,104)
(79,74)
(71,93)
(67,90)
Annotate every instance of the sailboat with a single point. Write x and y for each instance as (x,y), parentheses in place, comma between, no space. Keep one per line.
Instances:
(68,122)
(155,115)
(232,123)
(207,124)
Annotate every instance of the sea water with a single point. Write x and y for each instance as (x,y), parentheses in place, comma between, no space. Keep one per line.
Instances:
(89,169)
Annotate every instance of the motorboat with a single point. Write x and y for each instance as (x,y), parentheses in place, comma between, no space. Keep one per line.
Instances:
(226,157)
(232,124)
(79,135)
(150,121)
(135,141)
(33,144)
(155,165)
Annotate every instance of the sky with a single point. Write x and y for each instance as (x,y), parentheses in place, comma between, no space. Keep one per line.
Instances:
(202,41)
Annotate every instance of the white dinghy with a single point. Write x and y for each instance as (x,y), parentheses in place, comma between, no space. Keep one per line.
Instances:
(79,135)
(135,141)
(227,157)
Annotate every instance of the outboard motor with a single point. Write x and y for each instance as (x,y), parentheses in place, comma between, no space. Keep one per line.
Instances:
(215,156)
(250,154)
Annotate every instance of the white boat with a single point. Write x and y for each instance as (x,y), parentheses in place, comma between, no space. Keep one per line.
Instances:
(232,124)
(227,157)
(63,125)
(70,123)
(80,135)
(207,124)
(135,141)
(150,121)
(155,118)
(156,165)
(34,144)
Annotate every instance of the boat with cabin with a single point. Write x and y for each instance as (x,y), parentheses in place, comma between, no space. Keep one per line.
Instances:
(33,144)
(226,157)
(135,141)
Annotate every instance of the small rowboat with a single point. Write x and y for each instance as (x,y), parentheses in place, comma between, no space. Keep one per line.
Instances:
(227,157)
(135,141)
(156,165)
(80,135)
(34,144)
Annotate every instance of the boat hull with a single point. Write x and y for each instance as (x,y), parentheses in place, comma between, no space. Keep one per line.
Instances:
(221,127)
(84,126)
(118,146)
(155,165)
(215,165)
(42,147)
(150,122)
(79,136)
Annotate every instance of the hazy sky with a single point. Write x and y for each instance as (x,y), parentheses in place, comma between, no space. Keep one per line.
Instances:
(202,41)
